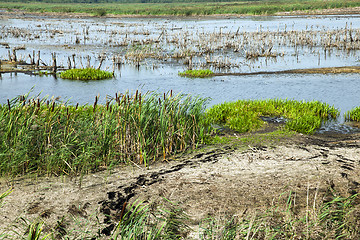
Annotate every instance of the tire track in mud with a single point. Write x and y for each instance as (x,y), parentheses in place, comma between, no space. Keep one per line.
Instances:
(349,167)
(329,153)
(114,206)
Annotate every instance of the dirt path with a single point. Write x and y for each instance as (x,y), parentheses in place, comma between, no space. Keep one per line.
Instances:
(224,180)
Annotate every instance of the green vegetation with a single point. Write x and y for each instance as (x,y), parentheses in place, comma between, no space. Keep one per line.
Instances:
(353,115)
(244,115)
(197,73)
(335,219)
(45,137)
(86,74)
(142,222)
(180,8)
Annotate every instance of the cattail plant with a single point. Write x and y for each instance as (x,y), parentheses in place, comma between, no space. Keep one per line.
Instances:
(58,138)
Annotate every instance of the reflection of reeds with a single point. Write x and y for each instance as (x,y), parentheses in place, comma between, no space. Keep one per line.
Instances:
(43,137)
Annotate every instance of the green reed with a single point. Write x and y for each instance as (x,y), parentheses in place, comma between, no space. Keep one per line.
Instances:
(353,115)
(44,136)
(86,74)
(244,115)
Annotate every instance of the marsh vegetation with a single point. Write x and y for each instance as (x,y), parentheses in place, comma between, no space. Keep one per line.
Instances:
(177,8)
(244,115)
(86,74)
(197,73)
(47,136)
(44,136)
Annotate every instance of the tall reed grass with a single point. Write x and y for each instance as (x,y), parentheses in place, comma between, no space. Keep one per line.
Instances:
(244,115)
(47,137)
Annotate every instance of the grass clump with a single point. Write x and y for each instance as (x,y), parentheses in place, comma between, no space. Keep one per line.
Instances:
(43,136)
(336,219)
(86,74)
(141,221)
(353,115)
(197,73)
(244,115)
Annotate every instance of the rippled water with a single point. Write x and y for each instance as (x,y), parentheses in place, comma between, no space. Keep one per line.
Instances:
(340,90)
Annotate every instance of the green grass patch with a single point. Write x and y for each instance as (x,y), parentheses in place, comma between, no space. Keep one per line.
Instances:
(86,74)
(43,136)
(177,8)
(244,115)
(197,73)
(353,115)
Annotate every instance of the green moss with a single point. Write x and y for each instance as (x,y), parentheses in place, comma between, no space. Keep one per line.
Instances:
(86,74)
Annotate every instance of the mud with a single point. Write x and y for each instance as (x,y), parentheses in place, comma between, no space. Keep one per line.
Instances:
(228,179)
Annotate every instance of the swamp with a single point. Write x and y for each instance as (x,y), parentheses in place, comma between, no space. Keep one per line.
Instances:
(201,127)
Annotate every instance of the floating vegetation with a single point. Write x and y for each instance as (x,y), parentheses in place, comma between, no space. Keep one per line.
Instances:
(46,137)
(197,73)
(244,115)
(353,115)
(86,74)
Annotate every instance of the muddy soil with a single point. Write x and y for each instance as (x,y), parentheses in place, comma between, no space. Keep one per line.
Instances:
(227,179)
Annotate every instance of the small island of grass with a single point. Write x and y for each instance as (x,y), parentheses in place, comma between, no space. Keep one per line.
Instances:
(86,74)
(197,73)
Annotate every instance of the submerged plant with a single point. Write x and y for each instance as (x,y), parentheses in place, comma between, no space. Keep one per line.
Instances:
(197,73)
(86,74)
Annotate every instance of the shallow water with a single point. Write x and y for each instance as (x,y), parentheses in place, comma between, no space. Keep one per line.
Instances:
(59,35)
